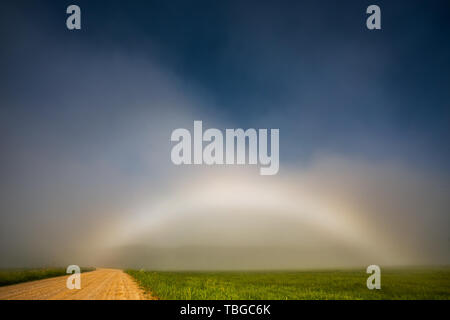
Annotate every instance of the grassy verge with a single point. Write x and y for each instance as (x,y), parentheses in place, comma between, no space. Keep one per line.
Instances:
(406,283)
(8,277)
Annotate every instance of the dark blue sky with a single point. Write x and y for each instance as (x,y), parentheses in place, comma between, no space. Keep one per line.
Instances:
(310,68)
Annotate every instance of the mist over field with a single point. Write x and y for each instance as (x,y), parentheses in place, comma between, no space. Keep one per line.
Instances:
(85,124)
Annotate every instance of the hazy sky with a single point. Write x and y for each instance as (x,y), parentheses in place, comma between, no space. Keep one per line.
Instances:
(86,118)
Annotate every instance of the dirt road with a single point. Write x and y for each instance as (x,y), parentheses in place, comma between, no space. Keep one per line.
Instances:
(102,284)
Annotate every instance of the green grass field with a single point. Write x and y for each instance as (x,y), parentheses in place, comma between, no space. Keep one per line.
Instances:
(408,283)
(13,276)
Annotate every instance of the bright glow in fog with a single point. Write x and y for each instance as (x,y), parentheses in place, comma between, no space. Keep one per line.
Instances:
(307,209)
(243,193)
